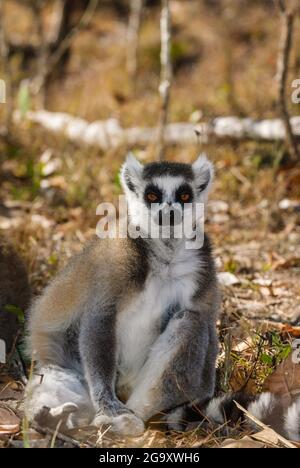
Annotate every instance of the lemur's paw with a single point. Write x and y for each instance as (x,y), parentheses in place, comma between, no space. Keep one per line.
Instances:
(63,410)
(51,417)
(127,424)
(175,420)
(102,421)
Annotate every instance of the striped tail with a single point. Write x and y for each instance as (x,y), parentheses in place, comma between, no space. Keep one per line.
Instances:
(268,408)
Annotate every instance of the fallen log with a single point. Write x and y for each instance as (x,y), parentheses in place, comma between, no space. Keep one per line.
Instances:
(109,133)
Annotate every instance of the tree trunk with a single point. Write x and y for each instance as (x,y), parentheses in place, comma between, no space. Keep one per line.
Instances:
(14,293)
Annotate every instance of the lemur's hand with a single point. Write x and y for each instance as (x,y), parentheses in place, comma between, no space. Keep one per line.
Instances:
(56,418)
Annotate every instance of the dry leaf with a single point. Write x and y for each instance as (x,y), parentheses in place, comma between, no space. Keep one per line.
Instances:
(10,392)
(292,262)
(245,442)
(9,422)
(283,328)
(267,436)
(31,435)
(293,331)
(263,282)
(228,279)
(259,423)
(9,429)
(285,381)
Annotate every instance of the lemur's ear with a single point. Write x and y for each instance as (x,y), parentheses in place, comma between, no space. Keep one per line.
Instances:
(204,173)
(131,173)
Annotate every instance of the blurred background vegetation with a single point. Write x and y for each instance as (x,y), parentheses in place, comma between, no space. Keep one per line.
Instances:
(224,58)
(95,60)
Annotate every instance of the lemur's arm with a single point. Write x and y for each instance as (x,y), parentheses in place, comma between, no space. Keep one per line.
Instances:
(181,366)
(97,346)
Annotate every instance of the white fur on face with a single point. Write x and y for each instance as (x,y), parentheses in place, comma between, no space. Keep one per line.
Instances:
(204,175)
(131,172)
(134,187)
(169,185)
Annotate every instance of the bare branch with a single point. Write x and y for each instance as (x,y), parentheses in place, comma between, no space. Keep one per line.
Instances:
(285,47)
(50,54)
(166,73)
(134,26)
(56,435)
(281,5)
(61,22)
(37,10)
(66,43)
(61,19)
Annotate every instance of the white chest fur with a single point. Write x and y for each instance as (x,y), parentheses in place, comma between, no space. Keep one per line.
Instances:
(169,283)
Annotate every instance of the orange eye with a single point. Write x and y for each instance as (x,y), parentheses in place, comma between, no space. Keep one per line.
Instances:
(152,197)
(185,197)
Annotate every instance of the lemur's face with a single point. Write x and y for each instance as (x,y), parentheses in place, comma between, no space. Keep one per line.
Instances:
(164,192)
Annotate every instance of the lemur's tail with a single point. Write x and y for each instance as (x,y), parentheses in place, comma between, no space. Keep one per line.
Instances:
(266,407)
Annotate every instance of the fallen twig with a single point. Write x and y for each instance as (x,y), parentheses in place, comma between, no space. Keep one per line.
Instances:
(66,43)
(59,436)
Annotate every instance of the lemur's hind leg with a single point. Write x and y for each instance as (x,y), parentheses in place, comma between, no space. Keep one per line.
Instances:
(180,368)
(57,396)
(97,345)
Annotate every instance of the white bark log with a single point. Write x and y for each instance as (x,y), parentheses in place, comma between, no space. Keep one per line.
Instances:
(109,133)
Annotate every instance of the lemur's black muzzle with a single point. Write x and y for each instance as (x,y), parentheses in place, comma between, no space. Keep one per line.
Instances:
(170,216)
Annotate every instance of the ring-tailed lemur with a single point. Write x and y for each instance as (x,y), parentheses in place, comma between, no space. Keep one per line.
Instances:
(128,329)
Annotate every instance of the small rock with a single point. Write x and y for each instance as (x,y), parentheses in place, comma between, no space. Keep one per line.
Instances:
(196,116)
(220,218)
(228,279)
(287,204)
(263,282)
(219,206)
